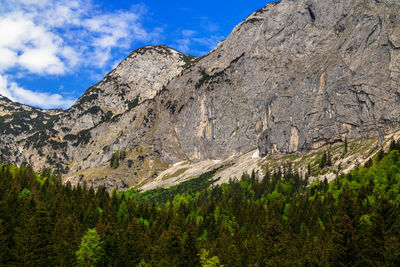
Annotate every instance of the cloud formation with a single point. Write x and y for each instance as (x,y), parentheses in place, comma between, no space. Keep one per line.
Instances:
(38,99)
(56,37)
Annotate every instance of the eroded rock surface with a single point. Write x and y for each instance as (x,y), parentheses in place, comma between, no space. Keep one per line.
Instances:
(305,73)
(294,76)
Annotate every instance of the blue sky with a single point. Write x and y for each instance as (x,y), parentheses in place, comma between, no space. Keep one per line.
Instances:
(52,50)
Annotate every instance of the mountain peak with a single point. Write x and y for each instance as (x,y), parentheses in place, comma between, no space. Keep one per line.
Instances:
(294,76)
(5,99)
(162,49)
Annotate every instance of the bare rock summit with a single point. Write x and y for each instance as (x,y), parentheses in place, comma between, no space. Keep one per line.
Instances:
(294,76)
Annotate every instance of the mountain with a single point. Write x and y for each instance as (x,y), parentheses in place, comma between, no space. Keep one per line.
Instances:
(295,76)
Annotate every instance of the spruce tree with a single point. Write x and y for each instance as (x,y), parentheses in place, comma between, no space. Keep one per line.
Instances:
(386,233)
(65,240)
(168,250)
(345,235)
(133,244)
(190,251)
(345,251)
(24,234)
(43,254)
(323,160)
(4,250)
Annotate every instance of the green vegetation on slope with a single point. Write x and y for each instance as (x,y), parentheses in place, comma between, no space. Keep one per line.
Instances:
(276,221)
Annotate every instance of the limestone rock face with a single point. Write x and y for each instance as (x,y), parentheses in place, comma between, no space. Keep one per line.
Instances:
(113,115)
(294,76)
(136,79)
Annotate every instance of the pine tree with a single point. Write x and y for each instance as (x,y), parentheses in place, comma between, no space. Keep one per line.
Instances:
(190,251)
(114,162)
(392,145)
(368,163)
(24,234)
(328,159)
(133,244)
(345,236)
(323,161)
(65,240)
(345,249)
(386,233)
(43,254)
(273,243)
(24,239)
(380,155)
(4,250)
(168,250)
(111,244)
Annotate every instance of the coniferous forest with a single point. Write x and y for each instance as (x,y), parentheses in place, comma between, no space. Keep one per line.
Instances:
(277,220)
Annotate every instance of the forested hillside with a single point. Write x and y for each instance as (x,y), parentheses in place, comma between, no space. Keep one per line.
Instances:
(278,220)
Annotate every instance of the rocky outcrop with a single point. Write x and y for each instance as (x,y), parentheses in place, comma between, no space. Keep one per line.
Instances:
(114,115)
(294,76)
(305,73)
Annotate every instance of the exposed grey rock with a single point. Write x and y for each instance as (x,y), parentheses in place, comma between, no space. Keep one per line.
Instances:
(114,114)
(294,76)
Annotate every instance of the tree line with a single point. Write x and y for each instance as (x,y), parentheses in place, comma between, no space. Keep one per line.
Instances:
(275,220)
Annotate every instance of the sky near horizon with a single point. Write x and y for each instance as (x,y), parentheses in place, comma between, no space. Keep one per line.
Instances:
(51,51)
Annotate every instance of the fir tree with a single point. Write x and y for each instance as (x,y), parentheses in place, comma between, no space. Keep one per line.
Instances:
(65,240)
(323,161)
(133,244)
(43,247)
(4,250)
(168,250)
(386,230)
(190,251)
(345,251)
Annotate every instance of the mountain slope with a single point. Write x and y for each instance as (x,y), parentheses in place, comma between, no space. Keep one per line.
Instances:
(113,115)
(293,77)
(306,73)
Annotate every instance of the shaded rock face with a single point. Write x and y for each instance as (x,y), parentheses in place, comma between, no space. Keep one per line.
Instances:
(293,76)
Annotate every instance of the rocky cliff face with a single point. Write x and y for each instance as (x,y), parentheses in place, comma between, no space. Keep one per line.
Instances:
(306,73)
(294,76)
(112,116)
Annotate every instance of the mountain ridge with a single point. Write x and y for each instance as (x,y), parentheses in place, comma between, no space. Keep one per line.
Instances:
(294,76)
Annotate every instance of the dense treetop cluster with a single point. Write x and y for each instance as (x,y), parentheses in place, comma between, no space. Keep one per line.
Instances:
(278,220)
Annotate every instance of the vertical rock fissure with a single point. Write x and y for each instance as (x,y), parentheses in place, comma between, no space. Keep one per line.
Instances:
(312,14)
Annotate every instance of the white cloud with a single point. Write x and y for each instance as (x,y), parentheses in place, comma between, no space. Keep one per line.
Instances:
(56,37)
(76,26)
(44,100)
(8,58)
(41,60)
